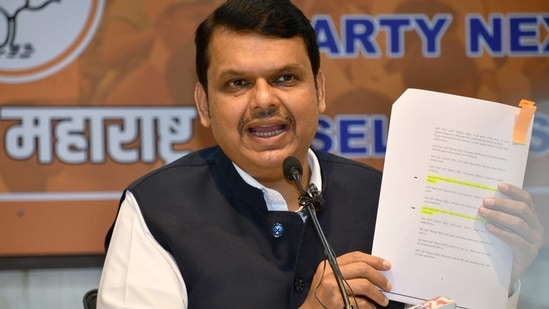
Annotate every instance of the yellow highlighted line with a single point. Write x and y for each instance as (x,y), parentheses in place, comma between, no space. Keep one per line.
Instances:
(431,211)
(433,179)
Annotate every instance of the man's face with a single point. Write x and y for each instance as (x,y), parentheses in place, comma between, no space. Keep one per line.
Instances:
(262,103)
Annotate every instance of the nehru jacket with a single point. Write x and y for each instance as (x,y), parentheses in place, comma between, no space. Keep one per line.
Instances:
(234,253)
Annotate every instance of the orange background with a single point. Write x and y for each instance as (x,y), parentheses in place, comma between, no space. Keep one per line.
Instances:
(143,55)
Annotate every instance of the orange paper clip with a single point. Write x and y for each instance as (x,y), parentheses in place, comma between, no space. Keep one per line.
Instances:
(523,121)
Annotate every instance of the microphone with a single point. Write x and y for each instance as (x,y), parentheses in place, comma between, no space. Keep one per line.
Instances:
(293,170)
(313,201)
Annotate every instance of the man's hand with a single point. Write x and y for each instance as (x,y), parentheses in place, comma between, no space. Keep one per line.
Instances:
(362,274)
(514,220)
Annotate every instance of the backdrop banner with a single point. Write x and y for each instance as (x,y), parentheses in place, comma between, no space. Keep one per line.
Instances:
(95,93)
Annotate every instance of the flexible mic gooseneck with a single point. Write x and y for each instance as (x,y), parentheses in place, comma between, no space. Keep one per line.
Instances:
(313,201)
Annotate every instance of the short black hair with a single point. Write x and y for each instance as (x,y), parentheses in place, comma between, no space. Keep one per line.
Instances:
(276,18)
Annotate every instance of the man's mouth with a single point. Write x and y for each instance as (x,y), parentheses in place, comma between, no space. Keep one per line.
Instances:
(267,131)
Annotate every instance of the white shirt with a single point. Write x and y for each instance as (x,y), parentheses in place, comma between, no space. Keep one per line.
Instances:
(139,273)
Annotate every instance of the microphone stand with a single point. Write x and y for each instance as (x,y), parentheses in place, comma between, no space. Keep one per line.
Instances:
(312,202)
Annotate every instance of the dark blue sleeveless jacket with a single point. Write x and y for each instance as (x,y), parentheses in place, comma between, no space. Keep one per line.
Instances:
(220,232)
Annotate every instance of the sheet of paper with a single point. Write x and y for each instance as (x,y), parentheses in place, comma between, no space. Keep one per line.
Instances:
(445,153)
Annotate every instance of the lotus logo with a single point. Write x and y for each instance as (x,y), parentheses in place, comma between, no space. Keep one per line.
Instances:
(41,37)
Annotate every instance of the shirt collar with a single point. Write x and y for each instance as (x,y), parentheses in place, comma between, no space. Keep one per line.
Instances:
(273,199)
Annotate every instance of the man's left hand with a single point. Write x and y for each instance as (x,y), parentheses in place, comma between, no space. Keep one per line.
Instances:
(514,220)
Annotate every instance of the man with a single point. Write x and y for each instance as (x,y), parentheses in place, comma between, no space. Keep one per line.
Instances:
(222,227)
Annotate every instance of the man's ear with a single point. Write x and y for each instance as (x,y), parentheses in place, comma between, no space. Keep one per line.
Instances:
(321,91)
(202,105)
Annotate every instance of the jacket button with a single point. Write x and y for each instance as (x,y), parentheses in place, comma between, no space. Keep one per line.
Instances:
(277,230)
(299,285)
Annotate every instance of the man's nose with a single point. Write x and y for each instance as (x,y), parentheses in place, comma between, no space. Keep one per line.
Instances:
(264,95)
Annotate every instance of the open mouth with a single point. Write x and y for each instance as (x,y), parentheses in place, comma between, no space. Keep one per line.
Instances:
(267,131)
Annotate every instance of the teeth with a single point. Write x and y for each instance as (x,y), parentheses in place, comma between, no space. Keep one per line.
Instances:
(267,134)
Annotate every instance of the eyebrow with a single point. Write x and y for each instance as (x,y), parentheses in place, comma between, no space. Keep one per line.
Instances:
(286,68)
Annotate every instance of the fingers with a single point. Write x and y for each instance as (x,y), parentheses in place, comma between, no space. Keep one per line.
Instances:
(362,302)
(365,290)
(371,260)
(516,193)
(509,217)
(512,219)
(356,265)
(363,281)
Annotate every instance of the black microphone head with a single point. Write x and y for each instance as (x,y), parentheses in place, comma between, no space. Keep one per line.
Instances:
(292,168)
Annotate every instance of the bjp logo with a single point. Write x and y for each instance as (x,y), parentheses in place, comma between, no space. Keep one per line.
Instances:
(41,37)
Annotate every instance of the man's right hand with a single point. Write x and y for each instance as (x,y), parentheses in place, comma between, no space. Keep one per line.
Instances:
(362,273)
